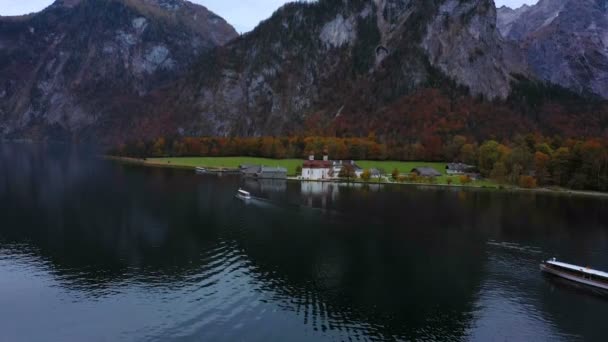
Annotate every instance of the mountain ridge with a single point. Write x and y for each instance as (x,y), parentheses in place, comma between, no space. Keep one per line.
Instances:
(409,70)
(76,63)
(348,43)
(564,42)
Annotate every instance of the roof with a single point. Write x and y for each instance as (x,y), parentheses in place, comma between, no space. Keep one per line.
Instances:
(427,171)
(273,169)
(250,169)
(247,166)
(317,164)
(459,166)
(342,163)
(578,268)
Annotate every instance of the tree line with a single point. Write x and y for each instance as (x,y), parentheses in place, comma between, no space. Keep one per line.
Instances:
(528,161)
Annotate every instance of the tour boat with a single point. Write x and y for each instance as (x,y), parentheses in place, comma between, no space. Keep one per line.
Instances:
(243,194)
(583,275)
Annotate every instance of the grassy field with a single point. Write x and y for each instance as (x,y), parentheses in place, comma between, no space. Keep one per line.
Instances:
(289,164)
(403,167)
(229,162)
(292,164)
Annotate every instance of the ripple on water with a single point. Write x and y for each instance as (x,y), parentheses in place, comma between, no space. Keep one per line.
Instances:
(510,296)
(219,292)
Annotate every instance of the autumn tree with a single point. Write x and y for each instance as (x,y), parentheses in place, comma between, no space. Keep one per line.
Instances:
(347,172)
(395,174)
(158,149)
(366,175)
(593,162)
(544,148)
(519,161)
(499,172)
(560,165)
(465,180)
(413,177)
(527,182)
(454,147)
(488,156)
(541,167)
(468,154)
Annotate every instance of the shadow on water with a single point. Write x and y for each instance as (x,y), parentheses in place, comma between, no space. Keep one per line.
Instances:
(321,260)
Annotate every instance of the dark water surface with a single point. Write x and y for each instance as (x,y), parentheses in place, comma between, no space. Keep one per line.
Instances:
(92,250)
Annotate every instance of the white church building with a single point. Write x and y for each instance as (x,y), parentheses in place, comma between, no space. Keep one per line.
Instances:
(317,169)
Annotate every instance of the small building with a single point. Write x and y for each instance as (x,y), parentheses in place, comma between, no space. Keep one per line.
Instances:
(426,172)
(375,173)
(458,169)
(273,173)
(250,170)
(263,172)
(337,166)
(317,169)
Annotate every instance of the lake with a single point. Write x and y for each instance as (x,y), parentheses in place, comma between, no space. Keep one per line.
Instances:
(93,250)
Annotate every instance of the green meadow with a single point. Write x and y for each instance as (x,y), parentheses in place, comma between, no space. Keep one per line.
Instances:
(229,162)
(289,164)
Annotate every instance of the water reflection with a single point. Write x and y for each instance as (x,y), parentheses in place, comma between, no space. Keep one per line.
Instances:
(266,186)
(90,248)
(351,277)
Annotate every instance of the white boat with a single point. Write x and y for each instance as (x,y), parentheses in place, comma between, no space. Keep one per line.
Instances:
(200,170)
(582,275)
(243,194)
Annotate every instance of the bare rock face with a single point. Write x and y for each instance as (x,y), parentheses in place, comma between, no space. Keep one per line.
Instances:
(463,42)
(330,58)
(338,32)
(508,17)
(517,23)
(565,42)
(82,65)
(122,69)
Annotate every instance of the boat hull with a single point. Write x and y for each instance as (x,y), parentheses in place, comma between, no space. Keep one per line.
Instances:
(572,277)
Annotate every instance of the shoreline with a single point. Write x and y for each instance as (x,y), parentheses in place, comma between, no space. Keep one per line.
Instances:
(557,191)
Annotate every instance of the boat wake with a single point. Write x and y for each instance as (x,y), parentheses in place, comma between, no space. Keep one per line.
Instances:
(515,246)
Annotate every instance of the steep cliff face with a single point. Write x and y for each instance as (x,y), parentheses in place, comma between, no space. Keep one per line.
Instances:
(332,58)
(565,42)
(507,17)
(82,64)
(517,23)
(463,42)
(112,70)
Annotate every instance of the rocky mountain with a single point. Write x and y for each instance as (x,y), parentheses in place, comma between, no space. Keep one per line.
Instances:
(565,41)
(414,71)
(84,64)
(329,59)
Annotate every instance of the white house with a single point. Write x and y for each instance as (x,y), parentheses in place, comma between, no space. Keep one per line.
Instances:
(337,166)
(317,169)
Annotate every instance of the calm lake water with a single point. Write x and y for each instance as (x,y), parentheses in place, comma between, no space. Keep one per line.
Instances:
(91,250)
